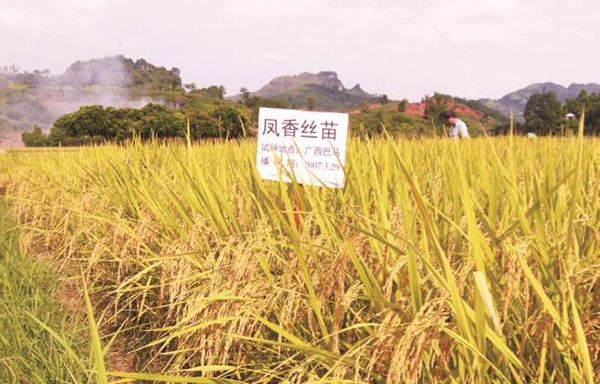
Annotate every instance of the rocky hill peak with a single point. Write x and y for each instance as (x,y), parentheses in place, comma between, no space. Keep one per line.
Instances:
(327,79)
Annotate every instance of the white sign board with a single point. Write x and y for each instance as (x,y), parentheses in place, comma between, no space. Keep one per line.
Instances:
(311,146)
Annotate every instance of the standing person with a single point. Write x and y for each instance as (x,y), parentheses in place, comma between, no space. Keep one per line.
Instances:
(458,128)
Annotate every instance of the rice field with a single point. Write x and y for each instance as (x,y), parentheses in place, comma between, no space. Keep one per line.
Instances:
(439,262)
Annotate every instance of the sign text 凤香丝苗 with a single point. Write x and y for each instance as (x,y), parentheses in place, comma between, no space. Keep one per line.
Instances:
(327,130)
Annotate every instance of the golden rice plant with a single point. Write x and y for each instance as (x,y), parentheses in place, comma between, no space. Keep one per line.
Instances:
(439,262)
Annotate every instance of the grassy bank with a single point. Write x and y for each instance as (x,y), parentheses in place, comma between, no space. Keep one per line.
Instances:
(29,316)
(439,262)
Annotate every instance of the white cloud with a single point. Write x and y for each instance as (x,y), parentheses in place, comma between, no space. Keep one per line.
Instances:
(52,17)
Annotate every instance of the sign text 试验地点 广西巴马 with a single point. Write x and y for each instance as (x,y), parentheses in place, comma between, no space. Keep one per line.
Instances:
(311,146)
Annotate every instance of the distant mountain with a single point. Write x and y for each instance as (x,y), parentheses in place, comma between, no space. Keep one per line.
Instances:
(515,101)
(327,89)
(119,71)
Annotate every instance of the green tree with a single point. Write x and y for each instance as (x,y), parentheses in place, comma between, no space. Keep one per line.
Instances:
(245,96)
(543,114)
(592,115)
(202,125)
(310,103)
(88,121)
(383,99)
(231,122)
(57,136)
(122,120)
(158,120)
(214,91)
(3,130)
(258,102)
(402,105)
(95,124)
(591,104)
(35,138)
(435,107)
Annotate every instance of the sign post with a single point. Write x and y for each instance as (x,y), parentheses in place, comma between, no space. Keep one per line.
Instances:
(309,146)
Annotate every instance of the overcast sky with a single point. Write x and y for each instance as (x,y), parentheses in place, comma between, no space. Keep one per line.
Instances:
(468,48)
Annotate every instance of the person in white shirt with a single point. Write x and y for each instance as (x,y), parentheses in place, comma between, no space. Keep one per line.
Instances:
(458,128)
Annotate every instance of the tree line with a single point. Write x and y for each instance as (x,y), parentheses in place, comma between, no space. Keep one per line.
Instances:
(546,115)
(96,124)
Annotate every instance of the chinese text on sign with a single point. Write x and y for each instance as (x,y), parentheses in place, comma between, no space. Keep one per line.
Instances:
(309,145)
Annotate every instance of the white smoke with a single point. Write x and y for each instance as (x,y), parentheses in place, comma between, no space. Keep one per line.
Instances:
(103,82)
